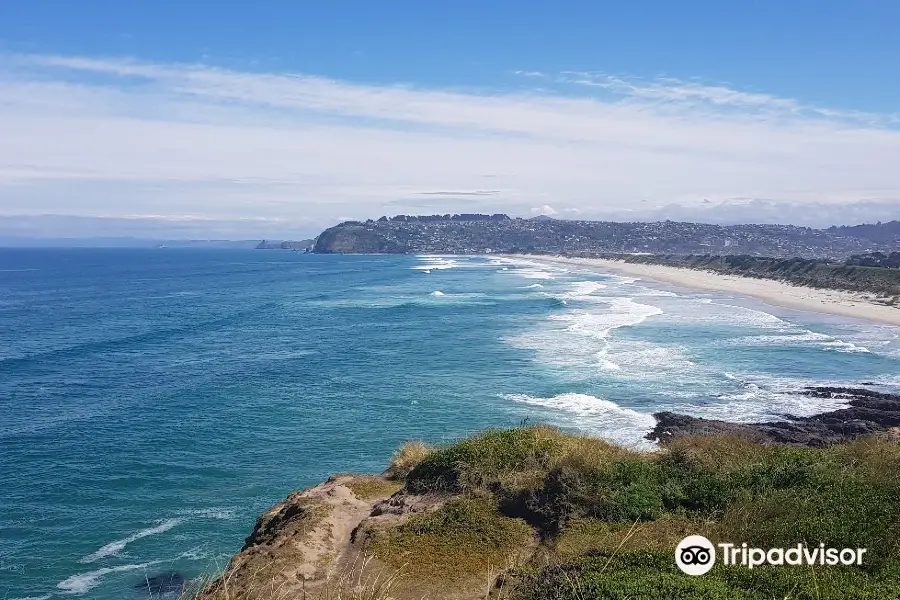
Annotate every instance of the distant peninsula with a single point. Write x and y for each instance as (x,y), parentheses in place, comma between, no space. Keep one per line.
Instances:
(302,245)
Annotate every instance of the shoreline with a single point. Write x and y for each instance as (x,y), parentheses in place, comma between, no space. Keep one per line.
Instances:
(833,302)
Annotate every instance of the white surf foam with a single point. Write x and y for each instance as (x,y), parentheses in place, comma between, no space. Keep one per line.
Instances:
(771,329)
(530,269)
(643,361)
(534,286)
(608,419)
(224,514)
(622,279)
(621,312)
(437,293)
(797,337)
(195,553)
(435,262)
(605,362)
(533,273)
(842,346)
(763,399)
(582,290)
(83,582)
(730,314)
(891,381)
(586,344)
(117,546)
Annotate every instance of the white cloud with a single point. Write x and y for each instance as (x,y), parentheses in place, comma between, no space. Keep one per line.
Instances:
(545,210)
(120,137)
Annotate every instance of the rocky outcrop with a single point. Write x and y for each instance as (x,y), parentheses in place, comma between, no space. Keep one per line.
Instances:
(868,413)
(300,544)
(317,544)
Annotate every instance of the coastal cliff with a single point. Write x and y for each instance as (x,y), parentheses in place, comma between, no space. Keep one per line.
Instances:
(536,513)
(349,238)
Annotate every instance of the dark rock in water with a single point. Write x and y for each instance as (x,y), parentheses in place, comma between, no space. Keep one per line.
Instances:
(868,413)
(161,584)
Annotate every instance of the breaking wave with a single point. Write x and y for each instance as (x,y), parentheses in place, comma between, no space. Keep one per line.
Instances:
(83,582)
(621,312)
(435,263)
(603,417)
(117,546)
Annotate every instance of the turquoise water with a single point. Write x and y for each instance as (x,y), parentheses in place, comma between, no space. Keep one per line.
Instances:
(153,402)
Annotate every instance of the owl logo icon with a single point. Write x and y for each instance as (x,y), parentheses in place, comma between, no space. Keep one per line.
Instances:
(695,555)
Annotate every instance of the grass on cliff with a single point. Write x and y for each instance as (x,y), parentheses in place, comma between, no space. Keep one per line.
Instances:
(367,487)
(609,518)
(465,538)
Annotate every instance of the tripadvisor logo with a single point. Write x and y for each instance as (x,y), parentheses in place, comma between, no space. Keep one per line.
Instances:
(696,555)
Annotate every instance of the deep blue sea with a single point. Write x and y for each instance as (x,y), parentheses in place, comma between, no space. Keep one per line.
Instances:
(154,402)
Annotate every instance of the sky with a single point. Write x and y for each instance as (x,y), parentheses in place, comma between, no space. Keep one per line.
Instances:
(280,118)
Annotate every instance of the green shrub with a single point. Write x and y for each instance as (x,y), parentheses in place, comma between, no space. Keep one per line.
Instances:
(486,460)
(848,514)
(652,575)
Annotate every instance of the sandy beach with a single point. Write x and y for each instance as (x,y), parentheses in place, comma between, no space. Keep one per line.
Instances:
(846,304)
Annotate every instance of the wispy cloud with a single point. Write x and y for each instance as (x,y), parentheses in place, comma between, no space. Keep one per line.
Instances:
(124,137)
(530,73)
(462,193)
(692,94)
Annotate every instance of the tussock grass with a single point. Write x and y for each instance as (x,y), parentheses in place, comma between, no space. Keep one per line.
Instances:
(406,458)
(584,536)
(367,487)
(465,538)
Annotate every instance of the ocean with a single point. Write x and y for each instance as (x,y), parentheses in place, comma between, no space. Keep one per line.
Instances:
(154,402)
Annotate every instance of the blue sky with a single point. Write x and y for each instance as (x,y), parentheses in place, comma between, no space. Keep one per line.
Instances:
(291,115)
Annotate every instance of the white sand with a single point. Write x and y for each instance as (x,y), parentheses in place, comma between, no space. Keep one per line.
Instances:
(846,304)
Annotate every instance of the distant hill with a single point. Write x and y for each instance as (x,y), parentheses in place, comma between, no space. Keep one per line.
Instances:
(887,233)
(477,234)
